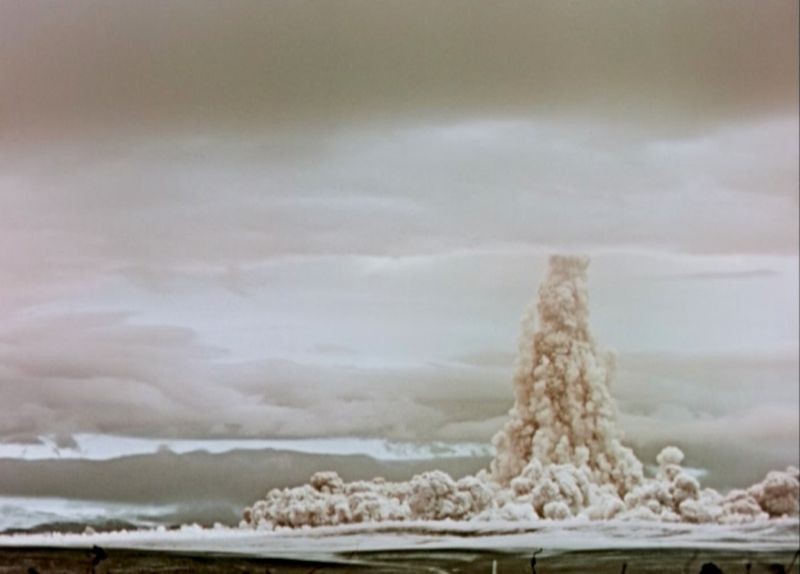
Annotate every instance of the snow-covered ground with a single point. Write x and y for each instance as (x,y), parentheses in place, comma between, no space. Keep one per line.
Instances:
(91,446)
(24,512)
(779,534)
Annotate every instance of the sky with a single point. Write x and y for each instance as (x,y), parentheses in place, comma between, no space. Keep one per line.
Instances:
(295,219)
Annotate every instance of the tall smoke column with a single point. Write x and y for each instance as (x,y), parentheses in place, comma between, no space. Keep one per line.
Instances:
(559,456)
(563,412)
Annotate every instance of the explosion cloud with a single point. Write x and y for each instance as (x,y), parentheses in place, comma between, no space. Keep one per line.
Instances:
(560,455)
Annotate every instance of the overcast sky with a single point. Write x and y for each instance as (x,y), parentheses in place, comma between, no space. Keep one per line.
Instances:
(300,218)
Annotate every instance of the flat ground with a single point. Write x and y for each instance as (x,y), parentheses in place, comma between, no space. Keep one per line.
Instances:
(119,561)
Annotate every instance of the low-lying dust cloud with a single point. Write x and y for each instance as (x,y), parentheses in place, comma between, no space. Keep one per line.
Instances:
(560,454)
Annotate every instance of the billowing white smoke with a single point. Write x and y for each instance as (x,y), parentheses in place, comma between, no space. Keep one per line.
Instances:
(563,413)
(559,455)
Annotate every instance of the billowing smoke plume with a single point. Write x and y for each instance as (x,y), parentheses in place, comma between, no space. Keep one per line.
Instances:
(563,412)
(559,455)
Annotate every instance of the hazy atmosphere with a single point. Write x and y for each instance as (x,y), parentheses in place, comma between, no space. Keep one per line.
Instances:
(305,220)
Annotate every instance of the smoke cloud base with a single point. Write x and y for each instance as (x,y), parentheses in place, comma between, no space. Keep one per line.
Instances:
(560,455)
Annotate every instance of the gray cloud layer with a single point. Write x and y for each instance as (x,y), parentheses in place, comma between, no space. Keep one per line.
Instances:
(66,66)
(156,208)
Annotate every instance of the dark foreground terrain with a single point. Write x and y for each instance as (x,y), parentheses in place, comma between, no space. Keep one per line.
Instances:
(99,561)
